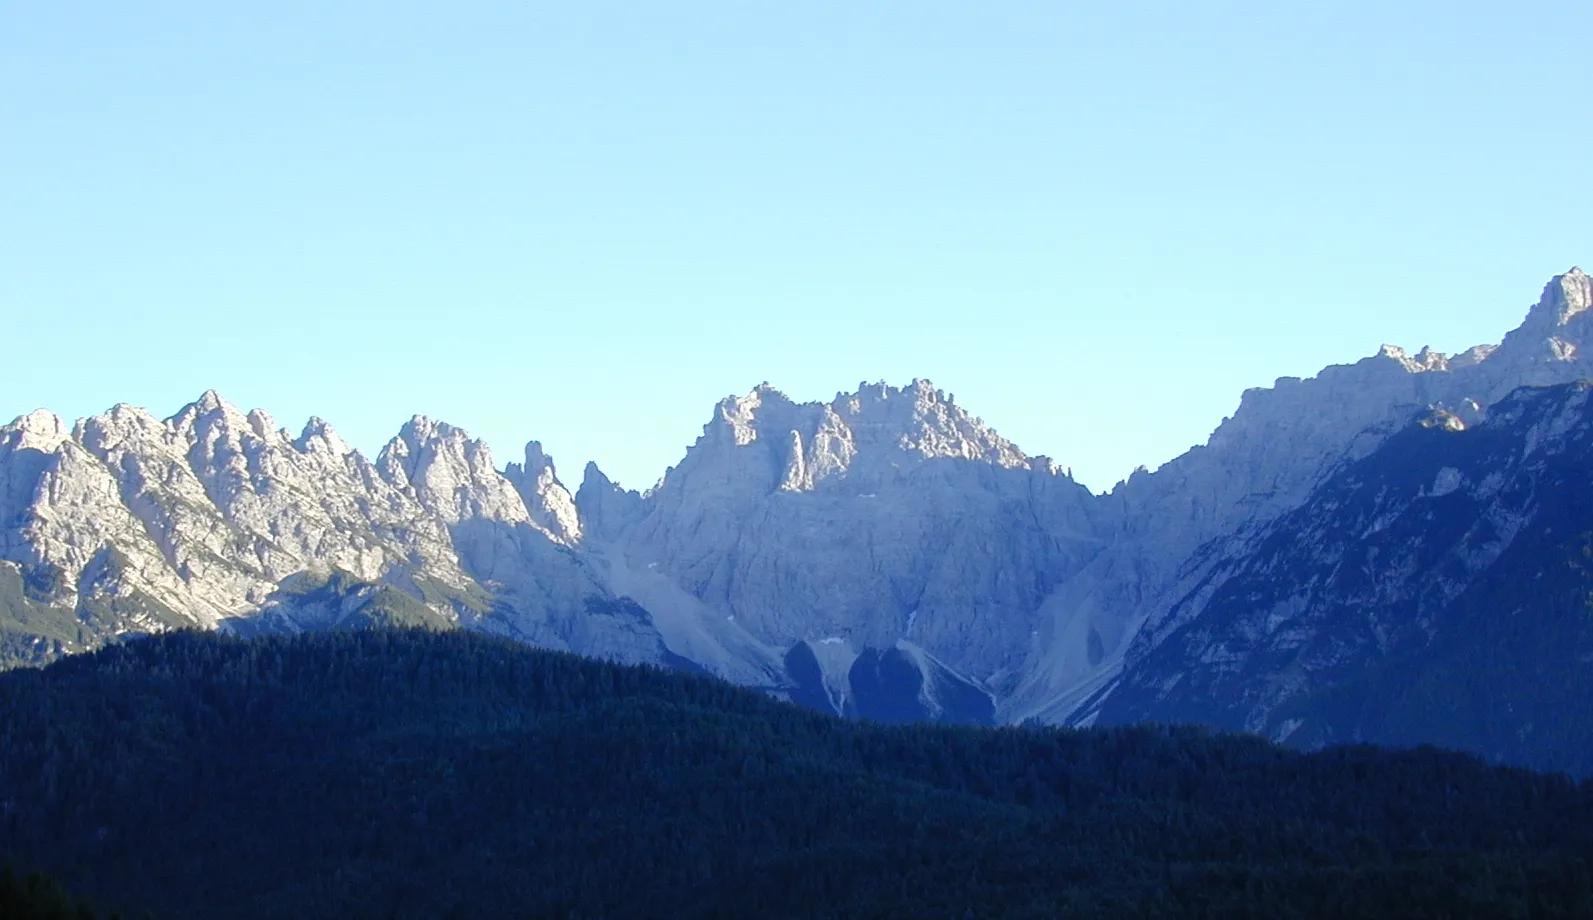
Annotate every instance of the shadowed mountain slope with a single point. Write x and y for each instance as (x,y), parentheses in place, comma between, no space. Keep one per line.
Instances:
(415,774)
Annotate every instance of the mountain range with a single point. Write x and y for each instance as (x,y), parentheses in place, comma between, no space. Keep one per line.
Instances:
(1399,549)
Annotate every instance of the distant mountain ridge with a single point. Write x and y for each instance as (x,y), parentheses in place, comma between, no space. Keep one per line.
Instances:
(885,552)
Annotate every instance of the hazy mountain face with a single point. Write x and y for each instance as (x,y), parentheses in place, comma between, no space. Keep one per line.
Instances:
(884,552)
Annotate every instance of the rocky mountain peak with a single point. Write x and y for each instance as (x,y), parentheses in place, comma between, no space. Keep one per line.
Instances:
(27,446)
(593,476)
(604,507)
(537,460)
(1564,297)
(1281,443)
(547,500)
(451,473)
(401,458)
(263,425)
(119,425)
(318,437)
(742,417)
(765,441)
(40,430)
(210,409)
(1553,336)
(422,429)
(894,492)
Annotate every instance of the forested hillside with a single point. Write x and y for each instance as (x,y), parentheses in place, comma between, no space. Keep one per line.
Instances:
(413,774)
(39,897)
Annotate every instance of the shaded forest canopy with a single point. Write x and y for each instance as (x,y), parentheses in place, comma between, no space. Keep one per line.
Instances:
(39,897)
(393,773)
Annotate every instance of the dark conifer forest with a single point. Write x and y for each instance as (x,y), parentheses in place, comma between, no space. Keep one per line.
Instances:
(40,897)
(413,774)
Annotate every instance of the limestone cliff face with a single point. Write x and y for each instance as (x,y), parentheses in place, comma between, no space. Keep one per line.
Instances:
(215,518)
(885,539)
(604,509)
(884,515)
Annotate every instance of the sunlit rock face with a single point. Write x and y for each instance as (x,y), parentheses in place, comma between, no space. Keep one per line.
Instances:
(883,515)
(884,551)
(218,519)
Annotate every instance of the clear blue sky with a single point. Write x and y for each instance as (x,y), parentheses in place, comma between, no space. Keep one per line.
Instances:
(585,223)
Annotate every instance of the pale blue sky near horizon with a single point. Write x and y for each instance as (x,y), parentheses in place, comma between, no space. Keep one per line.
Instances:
(1095,223)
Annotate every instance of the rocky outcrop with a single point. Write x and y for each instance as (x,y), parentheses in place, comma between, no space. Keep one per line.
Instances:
(550,505)
(603,507)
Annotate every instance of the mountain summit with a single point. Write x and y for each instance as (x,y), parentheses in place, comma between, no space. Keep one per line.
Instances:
(883,553)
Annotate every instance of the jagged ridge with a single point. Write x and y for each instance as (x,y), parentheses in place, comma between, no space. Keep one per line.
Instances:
(887,523)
